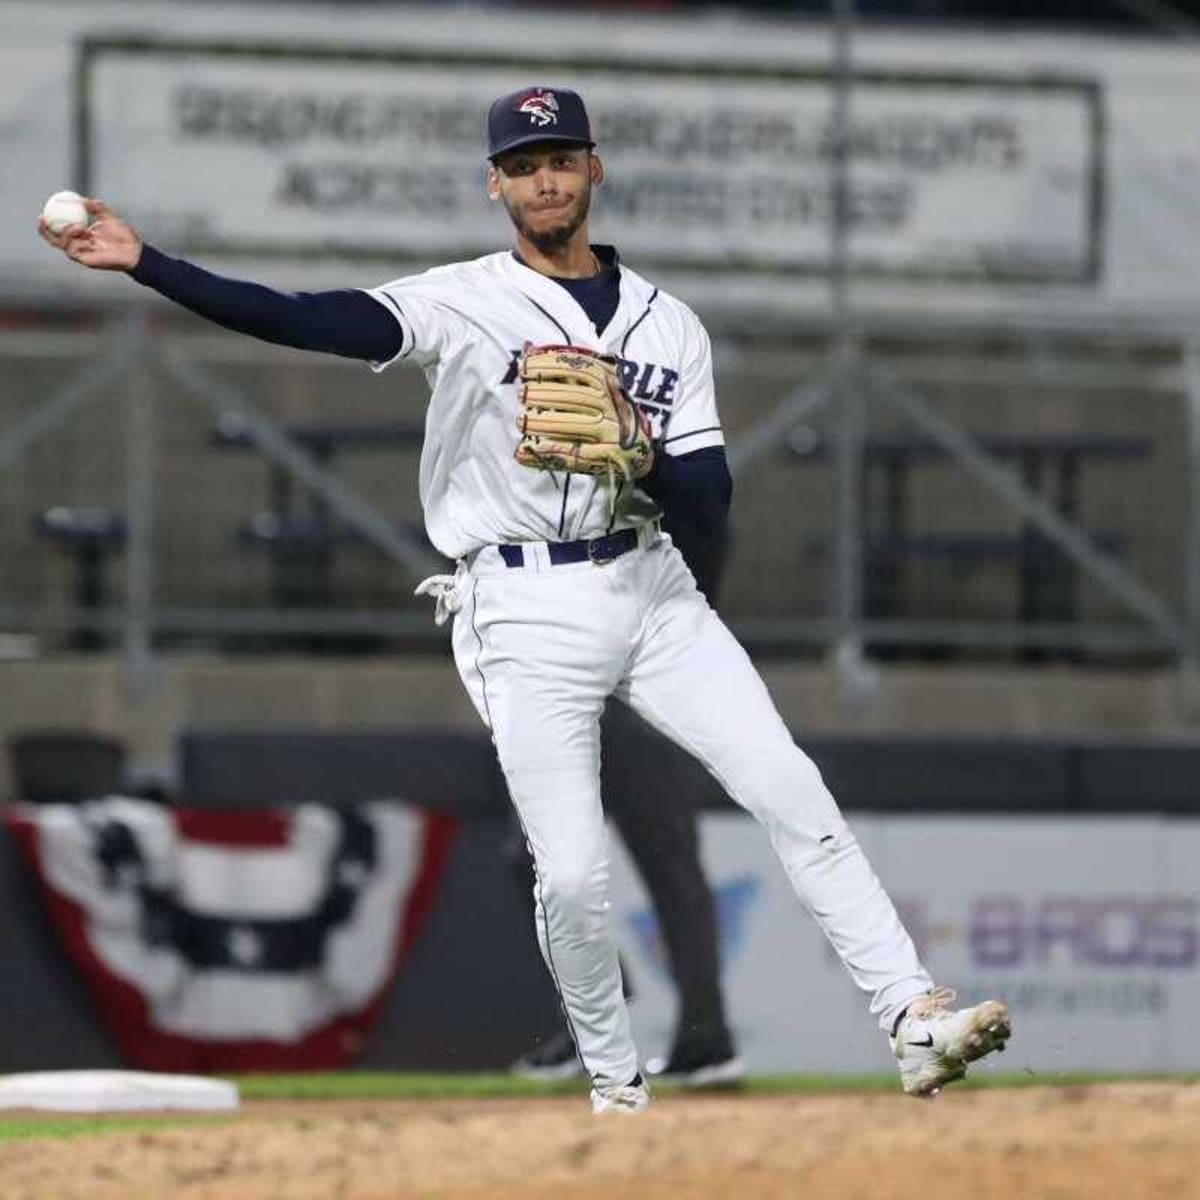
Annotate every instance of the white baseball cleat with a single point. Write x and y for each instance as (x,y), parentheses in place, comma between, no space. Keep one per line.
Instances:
(632,1097)
(933,1042)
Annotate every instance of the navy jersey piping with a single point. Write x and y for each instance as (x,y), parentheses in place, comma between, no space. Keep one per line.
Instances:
(566,341)
(405,329)
(565,335)
(692,433)
(562,516)
(645,314)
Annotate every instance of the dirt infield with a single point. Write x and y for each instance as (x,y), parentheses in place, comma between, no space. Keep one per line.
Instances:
(1137,1141)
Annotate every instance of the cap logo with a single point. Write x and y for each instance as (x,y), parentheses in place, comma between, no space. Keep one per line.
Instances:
(540,107)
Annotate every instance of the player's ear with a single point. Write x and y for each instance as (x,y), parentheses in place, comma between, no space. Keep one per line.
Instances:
(595,168)
(493,183)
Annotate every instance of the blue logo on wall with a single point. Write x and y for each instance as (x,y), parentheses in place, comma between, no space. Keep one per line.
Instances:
(733,901)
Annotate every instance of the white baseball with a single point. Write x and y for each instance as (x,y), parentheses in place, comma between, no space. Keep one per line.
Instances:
(63,209)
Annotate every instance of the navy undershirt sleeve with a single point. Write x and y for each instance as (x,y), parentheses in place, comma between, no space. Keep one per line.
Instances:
(695,488)
(345,322)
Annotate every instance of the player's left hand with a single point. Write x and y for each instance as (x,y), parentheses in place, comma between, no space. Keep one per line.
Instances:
(576,417)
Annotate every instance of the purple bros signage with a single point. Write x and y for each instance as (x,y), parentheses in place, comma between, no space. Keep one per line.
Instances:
(1089,929)
(1022,930)
(1083,931)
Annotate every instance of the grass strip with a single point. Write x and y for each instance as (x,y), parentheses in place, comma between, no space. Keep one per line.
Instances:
(388,1085)
(58,1125)
(383,1085)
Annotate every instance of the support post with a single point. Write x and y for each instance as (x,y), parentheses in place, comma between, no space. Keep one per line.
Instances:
(139,516)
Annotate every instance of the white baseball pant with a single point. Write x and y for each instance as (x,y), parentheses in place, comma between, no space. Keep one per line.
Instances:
(539,648)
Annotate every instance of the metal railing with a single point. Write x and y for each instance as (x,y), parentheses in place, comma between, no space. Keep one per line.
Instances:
(154,375)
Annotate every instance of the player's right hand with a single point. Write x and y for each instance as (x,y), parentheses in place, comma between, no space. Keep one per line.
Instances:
(107,244)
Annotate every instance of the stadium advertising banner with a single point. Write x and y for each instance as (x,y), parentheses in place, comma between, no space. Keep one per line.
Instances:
(1090,930)
(378,153)
(988,173)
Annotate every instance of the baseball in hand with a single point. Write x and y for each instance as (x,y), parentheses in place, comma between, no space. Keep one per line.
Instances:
(63,209)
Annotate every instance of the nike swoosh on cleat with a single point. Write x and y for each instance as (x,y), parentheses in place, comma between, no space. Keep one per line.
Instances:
(926,1043)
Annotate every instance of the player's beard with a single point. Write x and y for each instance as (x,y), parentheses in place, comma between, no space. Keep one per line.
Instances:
(556,236)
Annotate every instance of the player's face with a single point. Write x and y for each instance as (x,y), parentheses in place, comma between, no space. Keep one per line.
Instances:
(547,190)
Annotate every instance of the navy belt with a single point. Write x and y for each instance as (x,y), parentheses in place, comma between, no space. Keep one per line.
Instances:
(597,550)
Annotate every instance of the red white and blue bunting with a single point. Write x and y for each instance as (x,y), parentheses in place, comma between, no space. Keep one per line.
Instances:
(240,940)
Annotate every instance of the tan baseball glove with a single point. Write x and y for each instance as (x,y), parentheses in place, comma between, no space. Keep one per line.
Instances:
(576,417)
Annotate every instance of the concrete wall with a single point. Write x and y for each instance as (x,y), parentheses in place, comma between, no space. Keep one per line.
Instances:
(90,693)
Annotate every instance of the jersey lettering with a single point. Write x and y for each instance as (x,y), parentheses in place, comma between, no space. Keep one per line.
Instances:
(643,381)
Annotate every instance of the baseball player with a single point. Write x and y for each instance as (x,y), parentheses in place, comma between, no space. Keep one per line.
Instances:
(571,400)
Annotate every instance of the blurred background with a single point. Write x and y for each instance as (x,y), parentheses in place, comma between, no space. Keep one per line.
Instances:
(948,255)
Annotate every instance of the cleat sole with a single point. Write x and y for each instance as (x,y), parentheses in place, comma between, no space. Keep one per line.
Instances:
(993,1029)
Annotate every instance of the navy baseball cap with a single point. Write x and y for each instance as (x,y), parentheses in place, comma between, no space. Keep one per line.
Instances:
(537,114)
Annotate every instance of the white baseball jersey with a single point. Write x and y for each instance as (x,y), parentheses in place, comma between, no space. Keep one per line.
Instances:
(466,324)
